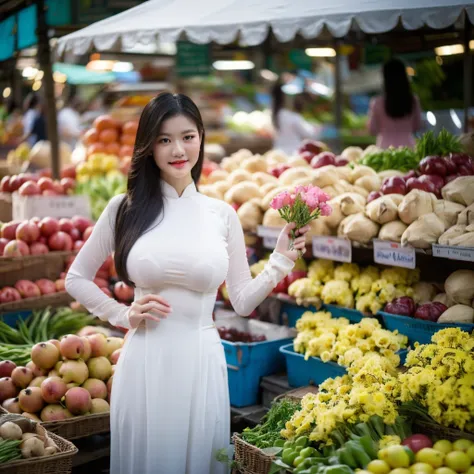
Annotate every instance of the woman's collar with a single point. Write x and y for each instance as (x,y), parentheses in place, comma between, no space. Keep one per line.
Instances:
(170,192)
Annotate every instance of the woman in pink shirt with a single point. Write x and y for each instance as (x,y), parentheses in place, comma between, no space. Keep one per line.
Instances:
(396,115)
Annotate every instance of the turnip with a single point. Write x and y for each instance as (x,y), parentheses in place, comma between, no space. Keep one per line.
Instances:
(10,430)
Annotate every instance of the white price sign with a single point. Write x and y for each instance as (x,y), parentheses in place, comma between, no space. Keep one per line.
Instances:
(269,235)
(332,248)
(454,253)
(392,253)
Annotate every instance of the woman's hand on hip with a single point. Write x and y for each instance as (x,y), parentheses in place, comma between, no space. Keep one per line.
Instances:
(299,244)
(152,307)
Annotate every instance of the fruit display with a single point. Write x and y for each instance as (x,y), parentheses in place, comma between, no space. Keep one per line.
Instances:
(100,164)
(234,335)
(17,157)
(28,289)
(110,137)
(28,184)
(65,378)
(22,438)
(335,339)
(16,342)
(40,236)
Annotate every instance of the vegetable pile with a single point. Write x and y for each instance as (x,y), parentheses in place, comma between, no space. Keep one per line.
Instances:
(23,438)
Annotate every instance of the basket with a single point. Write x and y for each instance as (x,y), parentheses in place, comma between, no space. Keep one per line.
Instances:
(352,315)
(297,394)
(249,459)
(80,426)
(33,267)
(59,463)
(418,330)
(436,431)
(61,298)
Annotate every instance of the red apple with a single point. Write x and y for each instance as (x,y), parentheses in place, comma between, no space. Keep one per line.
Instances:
(43,240)
(60,241)
(27,289)
(87,233)
(35,220)
(68,172)
(5,185)
(46,286)
(282,286)
(3,243)
(123,292)
(60,284)
(9,294)
(16,248)
(78,244)
(49,192)
(45,183)
(38,248)
(323,159)
(30,188)
(45,173)
(66,225)
(14,183)
(75,234)
(9,230)
(68,183)
(295,275)
(81,223)
(49,226)
(28,232)
(58,187)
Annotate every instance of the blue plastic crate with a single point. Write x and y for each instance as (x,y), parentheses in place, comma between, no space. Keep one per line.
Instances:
(314,371)
(291,312)
(352,315)
(418,330)
(247,363)
(12,318)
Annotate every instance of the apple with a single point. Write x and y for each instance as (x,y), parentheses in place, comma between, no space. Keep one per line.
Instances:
(5,185)
(16,248)
(282,286)
(9,230)
(3,243)
(296,275)
(417,183)
(14,183)
(9,294)
(313,146)
(81,223)
(87,233)
(123,292)
(66,225)
(30,188)
(323,159)
(49,192)
(75,234)
(433,165)
(68,183)
(58,187)
(38,248)
(60,241)
(78,244)
(48,226)
(27,289)
(46,183)
(28,232)
(68,171)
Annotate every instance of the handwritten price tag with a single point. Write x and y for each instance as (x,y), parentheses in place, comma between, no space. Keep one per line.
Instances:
(465,254)
(332,248)
(269,235)
(392,253)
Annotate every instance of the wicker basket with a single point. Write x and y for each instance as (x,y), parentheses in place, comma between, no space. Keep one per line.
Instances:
(249,459)
(61,298)
(298,393)
(441,432)
(80,426)
(59,463)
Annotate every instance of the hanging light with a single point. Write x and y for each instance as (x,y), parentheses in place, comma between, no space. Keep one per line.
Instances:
(455,118)
(7,92)
(321,52)
(36,85)
(59,77)
(449,50)
(268,75)
(29,72)
(430,116)
(239,65)
(100,65)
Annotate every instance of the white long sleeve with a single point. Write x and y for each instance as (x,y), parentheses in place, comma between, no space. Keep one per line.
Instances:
(245,292)
(79,280)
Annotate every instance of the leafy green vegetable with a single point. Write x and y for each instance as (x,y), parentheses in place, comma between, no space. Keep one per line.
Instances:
(402,159)
(265,435)
(441,145)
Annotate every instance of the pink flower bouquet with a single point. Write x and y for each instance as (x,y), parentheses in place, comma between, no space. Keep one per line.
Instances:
(302,206)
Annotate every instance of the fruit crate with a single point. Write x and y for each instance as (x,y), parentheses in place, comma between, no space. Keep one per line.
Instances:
(76,427)
(418,330)
(247,363)
(61,298)
(313,371)
(33,267)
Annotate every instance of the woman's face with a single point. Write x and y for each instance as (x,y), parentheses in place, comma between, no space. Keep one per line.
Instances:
(177,148)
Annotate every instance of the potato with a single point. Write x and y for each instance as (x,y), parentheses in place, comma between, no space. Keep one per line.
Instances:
(250,216)
(217,175)
(272,218)
(290,175)
(239,176)
(254,164)
(242,192)
(262,178)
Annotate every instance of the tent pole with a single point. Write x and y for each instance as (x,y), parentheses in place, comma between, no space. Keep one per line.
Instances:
(338,93)
(467,72)
(44,55)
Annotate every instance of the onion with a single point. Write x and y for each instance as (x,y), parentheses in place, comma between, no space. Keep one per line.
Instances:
(417,442)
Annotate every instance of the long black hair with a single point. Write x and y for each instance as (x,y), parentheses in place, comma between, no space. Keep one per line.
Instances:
(143,202)
(398,95)
(278,99)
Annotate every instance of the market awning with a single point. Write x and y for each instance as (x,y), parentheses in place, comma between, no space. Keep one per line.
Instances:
(224,21)
(80,75)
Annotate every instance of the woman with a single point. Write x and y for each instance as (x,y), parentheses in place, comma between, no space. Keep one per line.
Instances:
(395,116)
(290,127)
(170,405)
(30,106)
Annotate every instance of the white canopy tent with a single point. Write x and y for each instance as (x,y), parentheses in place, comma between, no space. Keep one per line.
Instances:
(249,21)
